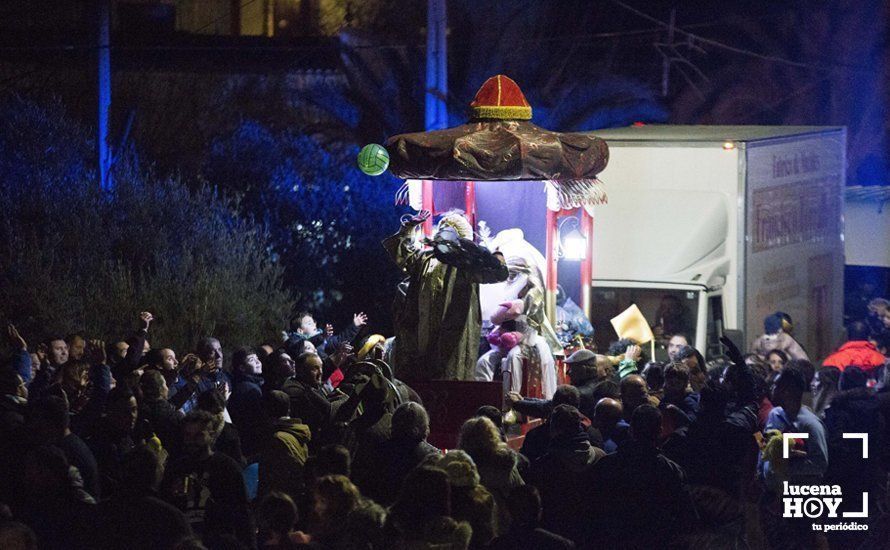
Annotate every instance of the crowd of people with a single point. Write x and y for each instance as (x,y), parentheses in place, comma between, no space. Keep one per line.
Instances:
(312,441)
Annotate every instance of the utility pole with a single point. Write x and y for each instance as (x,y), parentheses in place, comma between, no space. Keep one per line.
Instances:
(436,111)
(436,66)
(666,62)
(106,183)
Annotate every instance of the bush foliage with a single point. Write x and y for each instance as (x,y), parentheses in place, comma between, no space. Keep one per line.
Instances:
(75,259)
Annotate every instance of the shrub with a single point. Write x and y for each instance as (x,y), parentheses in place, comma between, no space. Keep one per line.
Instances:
(73,258)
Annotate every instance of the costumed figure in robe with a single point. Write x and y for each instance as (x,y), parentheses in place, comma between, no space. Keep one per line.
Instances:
(529,368)
(438,318)
(525,282)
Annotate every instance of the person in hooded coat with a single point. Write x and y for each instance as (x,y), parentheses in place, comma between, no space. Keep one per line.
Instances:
(438,321)
(854,409)
(283,458)
(562,473)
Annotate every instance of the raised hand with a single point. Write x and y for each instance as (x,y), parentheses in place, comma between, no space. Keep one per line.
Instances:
(15,338)
(417,219)
(633,352)
(146,318)
(96,351)
(360,319)
(328,330)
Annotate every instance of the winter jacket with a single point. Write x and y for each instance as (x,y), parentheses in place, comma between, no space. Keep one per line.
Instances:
(561,475)
(210,492)
(245,406)
(164,420)
(309,404)
(858,353)
(379,470)
(284,457)
(499,474)
(639,497)
(855,411)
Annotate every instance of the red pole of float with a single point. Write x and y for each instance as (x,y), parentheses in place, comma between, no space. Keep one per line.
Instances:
(551,258)
(470,202)
(428,205)
(587,262)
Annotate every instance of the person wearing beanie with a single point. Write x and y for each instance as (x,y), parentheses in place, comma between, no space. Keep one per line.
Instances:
(777,329)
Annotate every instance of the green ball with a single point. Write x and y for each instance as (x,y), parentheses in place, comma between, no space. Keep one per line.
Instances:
(373,159)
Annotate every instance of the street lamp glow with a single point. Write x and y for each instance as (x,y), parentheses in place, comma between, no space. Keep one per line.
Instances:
(574,246)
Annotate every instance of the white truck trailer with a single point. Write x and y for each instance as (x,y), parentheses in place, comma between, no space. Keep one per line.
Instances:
(723,225)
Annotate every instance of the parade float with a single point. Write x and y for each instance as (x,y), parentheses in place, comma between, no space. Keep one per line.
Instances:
(507,175)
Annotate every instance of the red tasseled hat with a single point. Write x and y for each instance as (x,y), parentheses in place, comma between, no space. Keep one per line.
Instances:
(501,99)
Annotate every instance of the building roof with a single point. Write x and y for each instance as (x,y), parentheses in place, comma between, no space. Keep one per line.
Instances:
(706,134)
(867,193)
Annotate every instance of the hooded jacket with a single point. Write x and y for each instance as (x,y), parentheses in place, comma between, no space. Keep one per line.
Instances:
(282,461)
(859,353)
(561,476)
(245,406)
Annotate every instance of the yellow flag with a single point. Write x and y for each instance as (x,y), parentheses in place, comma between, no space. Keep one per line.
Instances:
(630,323)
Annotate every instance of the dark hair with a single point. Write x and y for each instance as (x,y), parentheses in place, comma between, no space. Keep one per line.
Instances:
(793,379)
(653,372)
(297,319)
(199,417)
(566,395)
(277,404)
(151,383)
(688,351)
(851,378)
(205,344)
(410,421)
(239,358)
(782,355)
(276,513)
(807,368)
(606,388)
(332,459)
(565,422)
(645,423)
(620,346)
(857,330)
(492,413)
(153,358)
(427,493)
(211,401)
(301,360)
(121,392)
(70,338)
(524,504)
(678,370)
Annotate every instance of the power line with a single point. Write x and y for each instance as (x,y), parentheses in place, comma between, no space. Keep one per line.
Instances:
(734,49)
